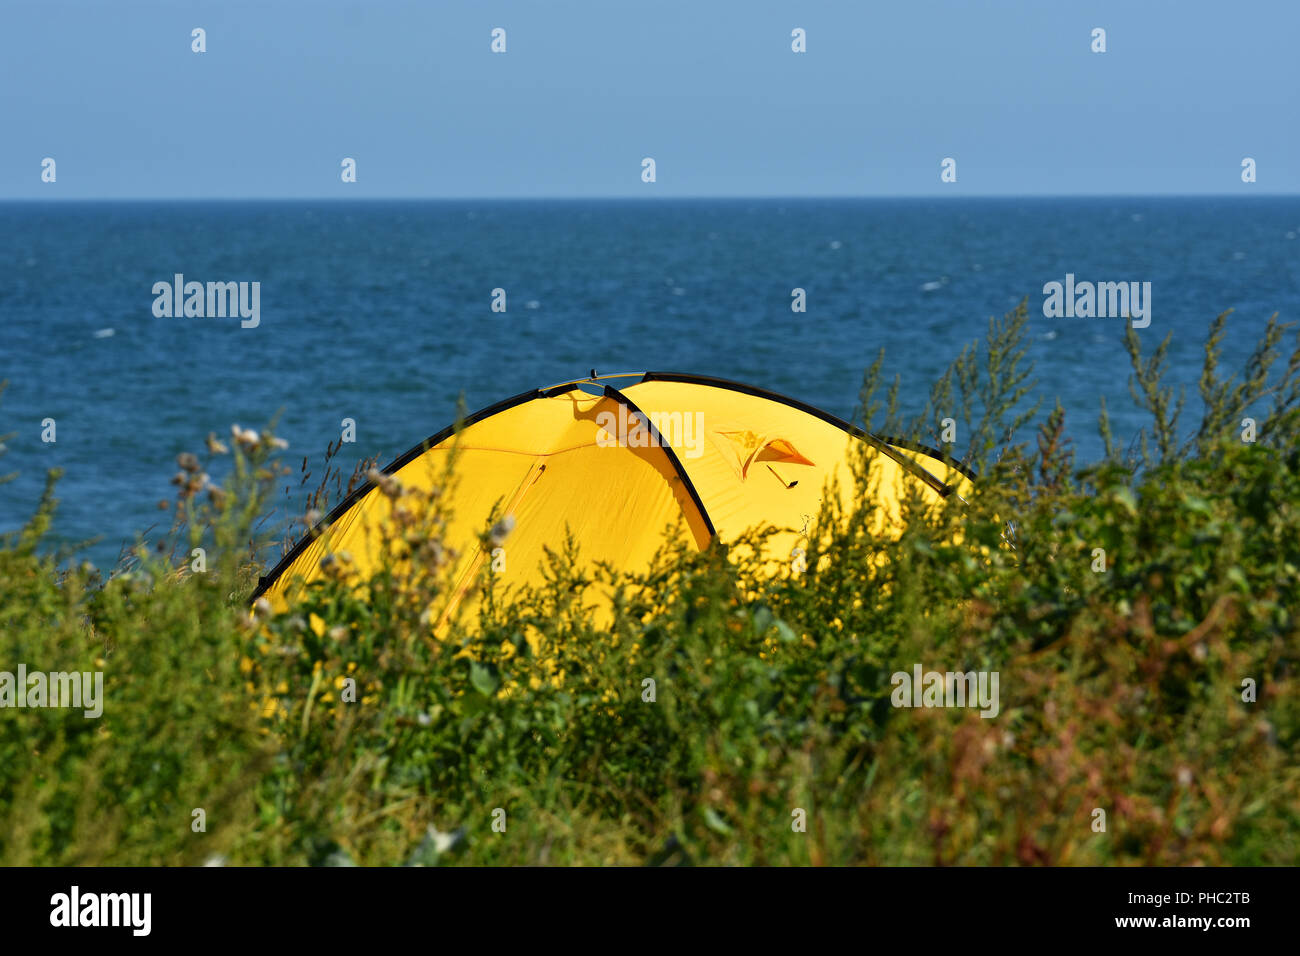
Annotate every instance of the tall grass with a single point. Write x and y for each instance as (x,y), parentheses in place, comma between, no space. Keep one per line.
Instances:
(530,736)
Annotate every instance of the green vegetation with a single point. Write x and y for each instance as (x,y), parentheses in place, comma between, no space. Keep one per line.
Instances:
(1120,689)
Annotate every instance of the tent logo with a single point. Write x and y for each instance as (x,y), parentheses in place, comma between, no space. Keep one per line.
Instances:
(215,300)
(744,447)
(682,431)
(1102,300)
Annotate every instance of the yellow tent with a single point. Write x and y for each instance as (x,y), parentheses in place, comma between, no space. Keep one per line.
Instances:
(695,456)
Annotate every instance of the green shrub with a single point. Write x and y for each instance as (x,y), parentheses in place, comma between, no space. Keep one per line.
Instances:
(1121,689)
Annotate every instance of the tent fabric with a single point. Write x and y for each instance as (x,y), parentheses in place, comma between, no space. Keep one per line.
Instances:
(671,457)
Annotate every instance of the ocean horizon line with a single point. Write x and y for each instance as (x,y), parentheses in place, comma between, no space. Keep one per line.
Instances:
(358,200)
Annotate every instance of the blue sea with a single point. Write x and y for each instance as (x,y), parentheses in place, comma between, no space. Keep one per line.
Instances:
(381,312)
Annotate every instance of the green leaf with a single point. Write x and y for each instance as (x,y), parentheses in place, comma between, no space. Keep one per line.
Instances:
(1124,497)
(483,678)
(715,822)
(785,631)
(764,620)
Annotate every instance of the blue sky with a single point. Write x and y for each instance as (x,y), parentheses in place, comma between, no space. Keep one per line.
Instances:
(587,88)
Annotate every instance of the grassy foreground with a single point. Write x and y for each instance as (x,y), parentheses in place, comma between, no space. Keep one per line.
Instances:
(1142,613)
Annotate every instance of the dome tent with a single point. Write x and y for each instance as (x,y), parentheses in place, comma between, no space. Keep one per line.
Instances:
(614,468)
